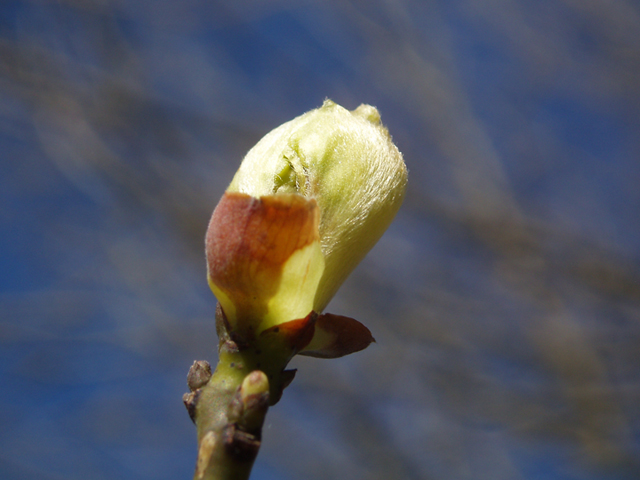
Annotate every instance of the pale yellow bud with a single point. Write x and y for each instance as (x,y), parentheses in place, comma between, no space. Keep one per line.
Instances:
(346,162)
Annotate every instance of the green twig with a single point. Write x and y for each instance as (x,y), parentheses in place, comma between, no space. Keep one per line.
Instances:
(229,406)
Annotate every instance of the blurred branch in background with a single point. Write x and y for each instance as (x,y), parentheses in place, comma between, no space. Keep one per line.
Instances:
(505,299)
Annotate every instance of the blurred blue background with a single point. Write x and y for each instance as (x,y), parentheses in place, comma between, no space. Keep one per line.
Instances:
(505,298)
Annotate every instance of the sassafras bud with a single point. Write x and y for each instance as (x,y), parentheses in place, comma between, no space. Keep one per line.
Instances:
(345,161)
(306,205)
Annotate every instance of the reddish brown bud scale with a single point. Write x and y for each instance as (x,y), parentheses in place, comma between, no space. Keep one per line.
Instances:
(336,336)
(249,240)
(296,333)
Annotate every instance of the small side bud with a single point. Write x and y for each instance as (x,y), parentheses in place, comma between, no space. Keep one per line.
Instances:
(199,375)
(254,395)
(256,383)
